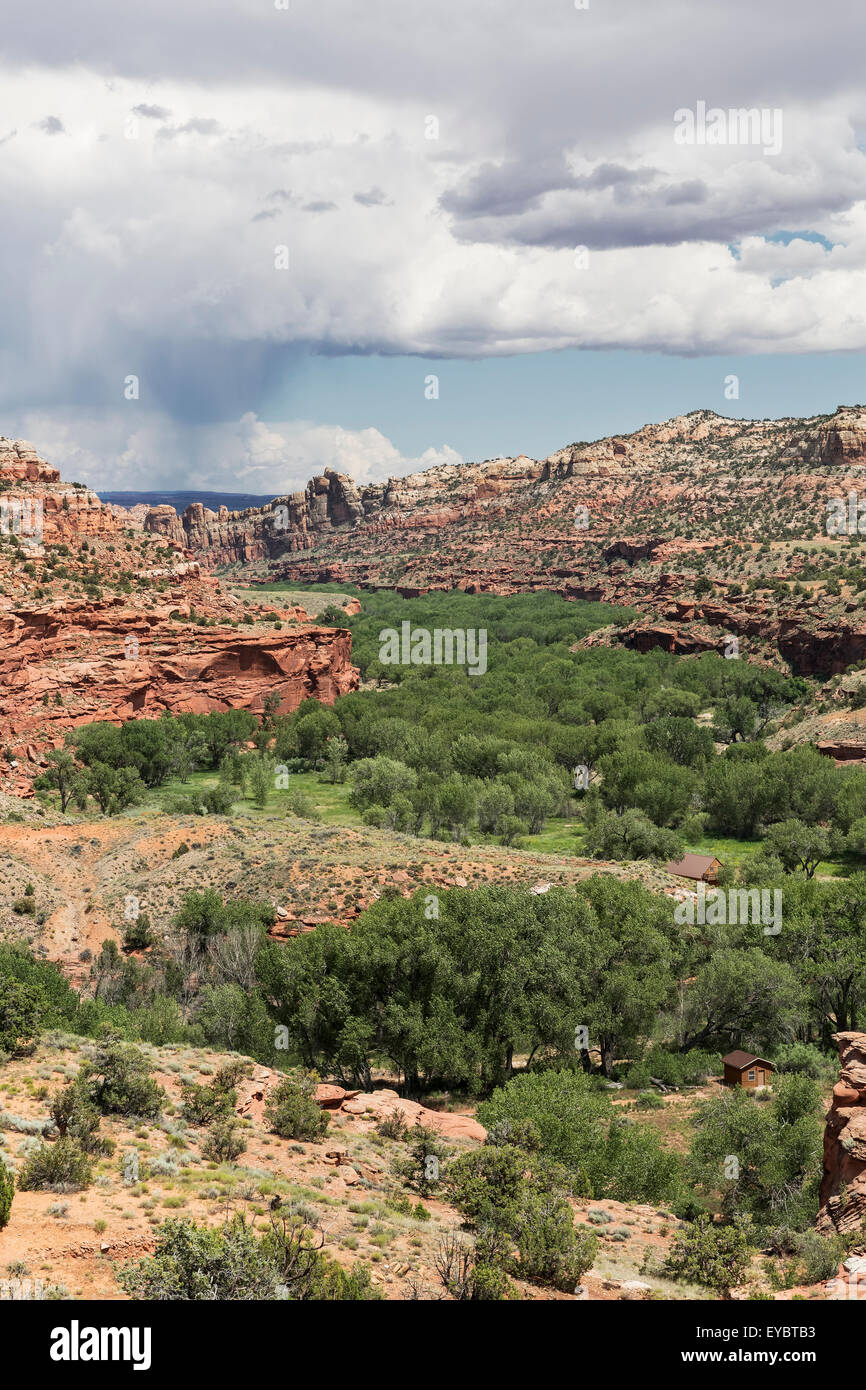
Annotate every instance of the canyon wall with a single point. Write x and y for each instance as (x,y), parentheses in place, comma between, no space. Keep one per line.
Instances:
(630,520)
(843,1187)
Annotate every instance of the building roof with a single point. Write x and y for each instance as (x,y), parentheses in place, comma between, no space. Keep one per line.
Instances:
(741,1060)
(693,865)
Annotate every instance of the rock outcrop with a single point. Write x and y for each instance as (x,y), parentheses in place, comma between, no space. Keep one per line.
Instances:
(843,1187)
(100,620)
(364,1108)
(291,523)
(41,508)
(107,662)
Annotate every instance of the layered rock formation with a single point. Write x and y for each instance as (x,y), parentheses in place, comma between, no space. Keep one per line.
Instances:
(107,662)
(40,507)
(843,1187)
(291,523)
(99,620)
(635,520)
(807,647)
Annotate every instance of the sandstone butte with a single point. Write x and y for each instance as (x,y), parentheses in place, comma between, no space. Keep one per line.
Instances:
(632,520)
(128,627)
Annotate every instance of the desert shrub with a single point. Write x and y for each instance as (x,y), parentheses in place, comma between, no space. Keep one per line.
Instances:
(294,1243)
(524,1134)
(189,804)
(805,1059)
(229,1074)
(119,1081)
(393,1126)
(23,1124)
(649,1100)
(492,1190)
(473,1271)
(421,1167)
(485,1185)
(674,1068)
(715,1256)
(550,1250)
(60,1167)
(224,1142)
(160,1021)
(137,935)
(218,800)
(201,1105)
(291,1109)
(75,1115)
(7,1189)
(816,1257)
(298,803)
(819,1256)
(194,1263)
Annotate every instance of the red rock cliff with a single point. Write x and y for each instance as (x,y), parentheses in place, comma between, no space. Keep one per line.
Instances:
(843,1187)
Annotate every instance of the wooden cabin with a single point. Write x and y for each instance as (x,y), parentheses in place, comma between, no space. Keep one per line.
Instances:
(696,866)
(745,1069)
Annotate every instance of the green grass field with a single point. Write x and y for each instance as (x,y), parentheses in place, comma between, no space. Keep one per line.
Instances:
(330,802)
(561,837)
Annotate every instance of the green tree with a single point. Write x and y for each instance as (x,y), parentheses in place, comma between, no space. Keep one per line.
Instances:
(743,997)
(763,1159)
(118,1081)
(61,774)
(681,740)
(21,1010)
(312,731)
(736,719)
(797,845)
(336,757)
(376,781)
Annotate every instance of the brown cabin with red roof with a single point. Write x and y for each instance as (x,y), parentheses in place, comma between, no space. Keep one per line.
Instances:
(745,1069)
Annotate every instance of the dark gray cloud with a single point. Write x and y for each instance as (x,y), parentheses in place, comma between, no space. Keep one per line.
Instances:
(198,125)
(517,186)
(151,113)
(373,198)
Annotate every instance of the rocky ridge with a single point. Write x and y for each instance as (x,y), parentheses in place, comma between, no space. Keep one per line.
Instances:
(734,506)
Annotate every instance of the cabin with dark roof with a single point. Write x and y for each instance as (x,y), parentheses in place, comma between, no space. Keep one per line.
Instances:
(696,866)
(745,1069)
